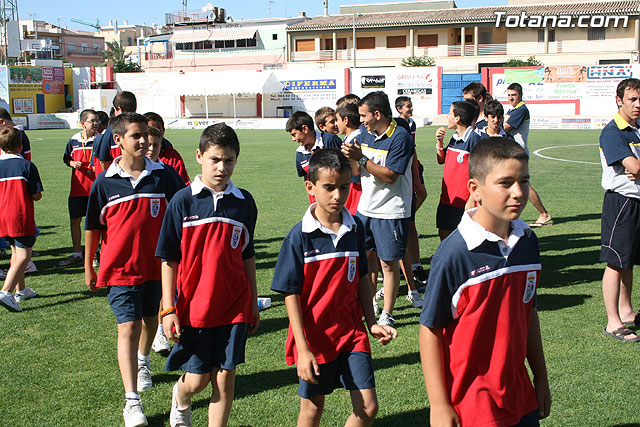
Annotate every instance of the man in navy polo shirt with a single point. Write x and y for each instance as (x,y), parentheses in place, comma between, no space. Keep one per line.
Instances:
(385,155)
(620,158)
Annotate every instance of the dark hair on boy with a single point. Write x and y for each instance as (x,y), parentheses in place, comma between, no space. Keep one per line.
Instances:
(120,122)
(491,150)
(155,132)
(476,109)
(10,139)
(626,84)
(377,101)
(103,117)
(350,111)
(327,158)
(488,97)
(85,113)
(322,114)
(476,90)
(517,87)
(350,98)
(112,113)
(219,135)
(126,102)
(299,119)
(494,108)
(4,114)
(154,117)
(400,101)
(465,111)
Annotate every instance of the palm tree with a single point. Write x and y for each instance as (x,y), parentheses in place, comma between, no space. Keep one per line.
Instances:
(114,53)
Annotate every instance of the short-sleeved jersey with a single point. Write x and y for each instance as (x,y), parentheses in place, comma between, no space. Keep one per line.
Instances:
(323,140)
(324,268)
(408,125)
(483,133)
(171,157)
(355,191)
(518,118)
(394,150)
(619,140)
(79,150)
(131,217)
(481,291)
(26,145)
(481,123)
(455,174)
(210,235)
(105,149)
(19,180)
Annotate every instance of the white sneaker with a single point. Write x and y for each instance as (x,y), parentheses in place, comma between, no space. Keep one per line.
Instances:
(71,260)
(9,302)
(144,378)
(414,299)
(160,343)
(376,308)
(31,268)
(380,293)
(28,293)
(386,319)
(179,417)
(134,414)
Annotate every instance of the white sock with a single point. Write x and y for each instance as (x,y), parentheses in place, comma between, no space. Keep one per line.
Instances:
(5,293)
(142,360)
(131,396)
(20,292)
(160,328)
(415,292)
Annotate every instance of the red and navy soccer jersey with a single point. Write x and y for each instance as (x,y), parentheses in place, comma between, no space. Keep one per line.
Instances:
(19,180)
(131,217)
(26,145)
(481,291)
(455,174)
(210,235)
(105,149)
(78,150)
(325,269)
(171,157)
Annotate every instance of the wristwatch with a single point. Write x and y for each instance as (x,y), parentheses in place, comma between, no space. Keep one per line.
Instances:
(363,161)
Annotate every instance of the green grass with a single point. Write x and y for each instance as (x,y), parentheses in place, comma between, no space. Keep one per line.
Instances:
(58,356)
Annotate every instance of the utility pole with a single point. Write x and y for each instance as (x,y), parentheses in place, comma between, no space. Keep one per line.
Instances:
(8,12)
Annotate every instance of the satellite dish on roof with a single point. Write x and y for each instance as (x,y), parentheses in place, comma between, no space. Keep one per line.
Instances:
(207,8)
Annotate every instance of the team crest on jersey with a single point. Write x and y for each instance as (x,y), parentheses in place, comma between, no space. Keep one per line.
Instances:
(235,236)
(460,158)
(530,289)
(352,269)
(155,207)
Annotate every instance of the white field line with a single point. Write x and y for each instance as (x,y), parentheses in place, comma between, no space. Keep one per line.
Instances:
(537,153)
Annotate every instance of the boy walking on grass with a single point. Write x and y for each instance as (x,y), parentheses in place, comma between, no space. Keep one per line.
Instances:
(479,321)
(20,185)
(208,256)
(127,203)
(322,270)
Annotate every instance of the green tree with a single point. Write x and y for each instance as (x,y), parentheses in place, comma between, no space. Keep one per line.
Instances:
(530,62)
(115,55)
(418,61)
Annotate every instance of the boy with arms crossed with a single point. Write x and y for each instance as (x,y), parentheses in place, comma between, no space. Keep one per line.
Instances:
(322,270)
(127,203)
(207,249)
(483,281)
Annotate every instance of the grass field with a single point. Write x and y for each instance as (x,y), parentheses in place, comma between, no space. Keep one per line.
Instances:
(58,356)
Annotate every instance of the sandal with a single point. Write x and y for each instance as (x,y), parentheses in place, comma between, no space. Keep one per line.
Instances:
(621,333)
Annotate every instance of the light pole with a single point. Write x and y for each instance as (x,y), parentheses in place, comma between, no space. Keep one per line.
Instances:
(354,40)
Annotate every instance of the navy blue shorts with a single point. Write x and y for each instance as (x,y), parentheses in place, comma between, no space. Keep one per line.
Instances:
(414,200)
(202,349)
(78,206)
(24,242)
(388,237)
(532,419)
(130,303)
(448,217)
(620,230)
(353,371)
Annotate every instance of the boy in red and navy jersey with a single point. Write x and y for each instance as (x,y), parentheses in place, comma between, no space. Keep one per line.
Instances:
(208,256)
(322,269)
(7,121)
(126,204)
(168,155)
(19,186)
(77,155)
(455,157)
(479,319)
(105,148)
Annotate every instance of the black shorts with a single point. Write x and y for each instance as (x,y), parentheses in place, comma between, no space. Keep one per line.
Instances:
(24,242)
(620,230)
(448,217)
(78,206)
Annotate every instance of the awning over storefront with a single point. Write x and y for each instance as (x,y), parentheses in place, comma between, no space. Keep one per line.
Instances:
(236,33)
(228,83)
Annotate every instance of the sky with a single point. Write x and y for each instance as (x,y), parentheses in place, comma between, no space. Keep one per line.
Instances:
(137,12)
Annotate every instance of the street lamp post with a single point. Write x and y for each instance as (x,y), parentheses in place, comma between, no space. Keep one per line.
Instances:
(354,40)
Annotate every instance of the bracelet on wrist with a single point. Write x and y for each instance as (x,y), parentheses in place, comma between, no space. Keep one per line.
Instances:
(168,311)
